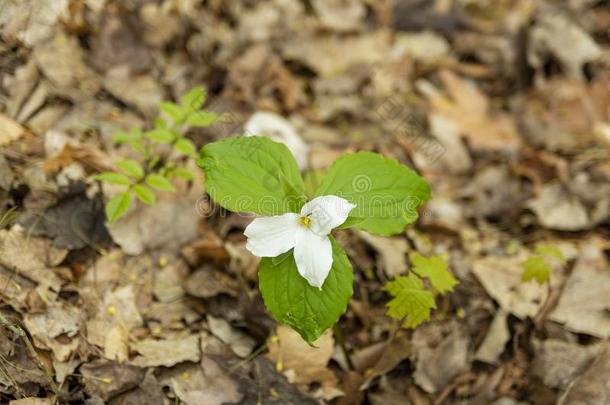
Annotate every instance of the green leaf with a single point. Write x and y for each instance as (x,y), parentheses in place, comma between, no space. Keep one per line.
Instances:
(194,99)
(387,194)
(186,147)
(252,174)
(411,300)
(144,194)
(117,206)
(536,268)
(201,118)
(551,251)
(131,168)
(183,173)
(161,135)
(159,182)
(292,301)
(113,178)
(435,269)
(121,137)
(172,110)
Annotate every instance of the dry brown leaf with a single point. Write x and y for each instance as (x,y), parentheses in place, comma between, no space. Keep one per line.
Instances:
(10,130)
(501,278)
(495,340)
(557,362)
(166,352)
(206,384)
(436,366)
(301,363)
(585,299)
(593,386)
(241,344)
(31,257)
(469,109)
(392,252)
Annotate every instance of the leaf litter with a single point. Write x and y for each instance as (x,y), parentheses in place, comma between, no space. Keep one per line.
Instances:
(512,98)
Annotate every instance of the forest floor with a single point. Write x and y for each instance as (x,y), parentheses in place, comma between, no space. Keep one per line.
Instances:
(502,106)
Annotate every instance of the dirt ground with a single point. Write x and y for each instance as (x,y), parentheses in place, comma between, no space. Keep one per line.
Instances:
(502,106)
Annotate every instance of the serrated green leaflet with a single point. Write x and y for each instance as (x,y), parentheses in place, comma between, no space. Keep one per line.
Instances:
(292,301)
(435,269)
(131,168)
(194,99)
(159,182)
(114,178)
(144,194)
(386,193)
(186,147)
(118,206)
(411,300)
(252,174)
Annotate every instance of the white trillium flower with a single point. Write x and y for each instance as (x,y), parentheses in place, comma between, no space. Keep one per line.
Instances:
(306,232)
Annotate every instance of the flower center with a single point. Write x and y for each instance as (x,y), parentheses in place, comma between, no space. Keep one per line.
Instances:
(305,222)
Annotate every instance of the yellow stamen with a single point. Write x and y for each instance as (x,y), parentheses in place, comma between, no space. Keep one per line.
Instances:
(305,221)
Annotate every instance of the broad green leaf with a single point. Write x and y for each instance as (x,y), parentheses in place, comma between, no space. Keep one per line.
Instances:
(201,118)
(117,206)
(551,251)
(194,99)
(387,194)
(411,300)
(173,110)
(131,168)
(252,174)
(183,173)
(186,147)
(114,178)
(292,301)
(144,194)
(536,268)
(159,182)
(161,135)
(435,269)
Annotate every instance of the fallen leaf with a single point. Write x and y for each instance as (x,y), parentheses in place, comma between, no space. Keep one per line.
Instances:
(208,282)
(585,299)
(10,130)
(436,366)
(340,15)
(166,352)
(469,109)
(392,252)
(501,278)
(593,386)
(31,257)
(206,384)
(301,363)
(108,378)
(557,362)
(241,344)
(555,35)
(495,340)
(557,209)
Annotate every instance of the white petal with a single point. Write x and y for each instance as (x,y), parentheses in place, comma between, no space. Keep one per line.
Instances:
(327,212)
(313,255)
(272,236)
